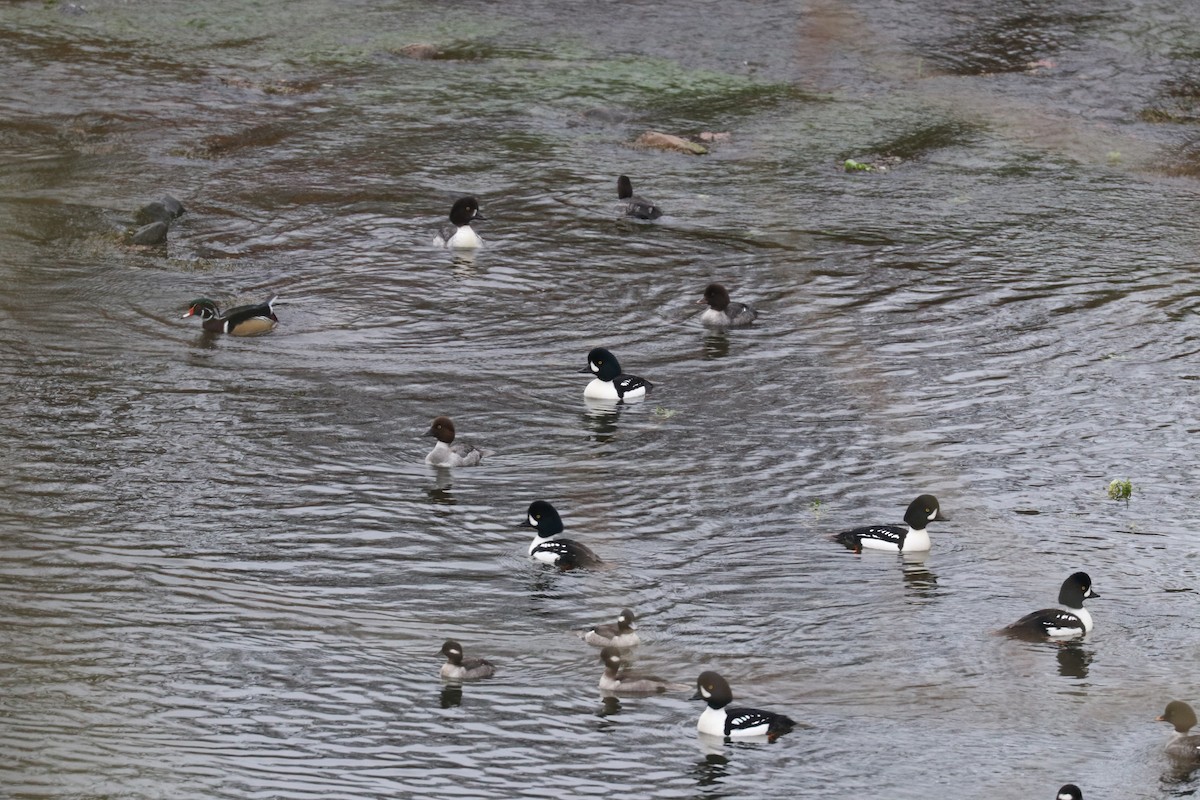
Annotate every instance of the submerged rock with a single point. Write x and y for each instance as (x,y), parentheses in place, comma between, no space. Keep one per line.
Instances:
(154,233)
(420,51)
(164,210)
(152,212)
(658,140)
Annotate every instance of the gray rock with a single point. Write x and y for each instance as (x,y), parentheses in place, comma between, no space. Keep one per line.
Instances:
(152,212)
(154,233)
(173,206)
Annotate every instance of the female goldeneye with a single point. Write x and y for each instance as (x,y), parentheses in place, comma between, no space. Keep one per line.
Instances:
(250,320)
(447,452)
(718,720)
(897,538)
(1056,623)
(617,682)
(1183,718)
(563,553)
(634,206)
(463,237)
(1069,792)
(622,633)
(458,668)
(610,383)
(722,312)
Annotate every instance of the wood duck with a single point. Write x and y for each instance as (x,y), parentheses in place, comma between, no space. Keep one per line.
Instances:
(250,320)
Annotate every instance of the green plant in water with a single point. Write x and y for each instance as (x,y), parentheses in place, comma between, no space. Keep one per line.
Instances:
(1120,490)
(817,506)
(850,165)
(664,413)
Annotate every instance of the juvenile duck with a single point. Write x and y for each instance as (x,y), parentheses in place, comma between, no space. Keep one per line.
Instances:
(458,668)
(1183,719)
(622,633)
(723,312)
(447,452)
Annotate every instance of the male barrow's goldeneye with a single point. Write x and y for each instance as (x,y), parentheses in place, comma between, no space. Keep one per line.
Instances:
(908,538)
(720,720)
(1183,719)
(723,312)
(622,633)
(447,452)
(632,205)
(458,668)
(610,383)
(1054,623)
(563,553)
(617,682)
(1069,792)
(462,236)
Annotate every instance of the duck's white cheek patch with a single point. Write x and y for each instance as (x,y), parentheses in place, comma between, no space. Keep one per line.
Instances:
(705,693)
(532,521)
(595,367)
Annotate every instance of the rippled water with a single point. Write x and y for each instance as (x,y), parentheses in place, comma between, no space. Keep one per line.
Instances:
(228,573)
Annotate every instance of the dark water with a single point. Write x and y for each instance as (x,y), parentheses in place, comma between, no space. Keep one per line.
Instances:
(227,572)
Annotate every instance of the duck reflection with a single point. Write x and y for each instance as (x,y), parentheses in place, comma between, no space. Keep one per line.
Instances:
(441,493)
(610,704)
(714,769)
(601,419)
(1073,660)
(451,695)
(716,345)
(917,576)
(1179,776)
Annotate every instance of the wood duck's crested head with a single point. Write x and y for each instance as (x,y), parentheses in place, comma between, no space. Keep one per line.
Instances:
(202,308)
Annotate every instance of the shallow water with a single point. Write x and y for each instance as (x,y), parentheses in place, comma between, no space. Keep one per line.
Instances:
(228,573)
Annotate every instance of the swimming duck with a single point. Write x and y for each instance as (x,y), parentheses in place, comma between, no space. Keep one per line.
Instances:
(1183,719)
(1054,623)
(447,452)
(632,205)
(622,633)
(563,553)
(249,320)
(617,682)
(897,538)
(458,668)
(723,312)
(609,382)
(720,720)
(461,236)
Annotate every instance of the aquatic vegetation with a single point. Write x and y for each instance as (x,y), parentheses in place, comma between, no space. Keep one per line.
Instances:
(1120,489)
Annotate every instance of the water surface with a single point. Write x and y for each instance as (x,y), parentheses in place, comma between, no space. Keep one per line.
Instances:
(227,572)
